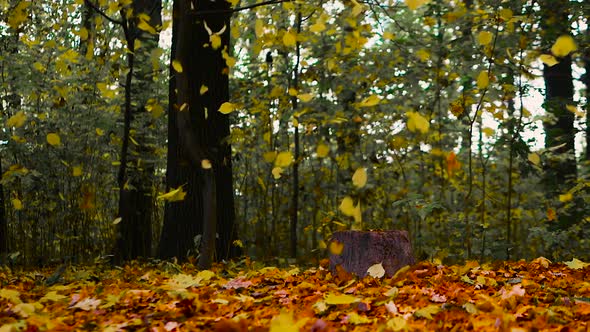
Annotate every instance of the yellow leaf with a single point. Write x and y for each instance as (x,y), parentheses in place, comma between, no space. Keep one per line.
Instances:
(574,110)
(534,158)
(83,33)
(551,214)
(483,80)
(117,221)
(376,271)
(284,159)
(17,204)
(305,97)
(173,195)
(423,54)
(489,132)
(427,311)
(39,67)
(283,323)
(277,172)
(238,243)
(563,46)
(259,28)
(17,120)
(485,37)
(269,156)
(336,247)
(145,26)
(177,66)
(347,206)
(227,108)
(372,100)
(206,164)
(549,60)
(566,197)
(18,15)
(289,39)
(322,150)
(105,90)
(416,122)
(203,90)
(215,41)
(11,295)
(292,92)
(397,323)
(77,171)
(53,139)
(99,132)
(576,264)
(388,35)
(317,27)
(357,215)
(340,299)
(359,178)
(414,4)
(356,9)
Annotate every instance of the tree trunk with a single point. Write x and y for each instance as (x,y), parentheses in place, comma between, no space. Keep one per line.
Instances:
(198,132)
(136,177)
(559,92)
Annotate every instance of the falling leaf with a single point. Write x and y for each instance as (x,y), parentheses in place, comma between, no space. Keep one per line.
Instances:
(416,122)
(145,26)
(17,204)
(77,171)
(17,120)
(566,197)
(117,221)
(336,247)
(203,89)
(551,214)
(563,46)
(284,159)
(53,139)
(376,271)
(359,178)
(206,164)
(483,80)
(289,39)
(534,158)
(372,100)
(277,172)
(574,110)
(415,4)
(177,66)
(549,60)
(484,38)
(340,299)
(173,195)
(99,132)
(292,92)
(215,41)
(322,150)
(347,206)
(227,108)
(305,97)
(452,163)
(576,264)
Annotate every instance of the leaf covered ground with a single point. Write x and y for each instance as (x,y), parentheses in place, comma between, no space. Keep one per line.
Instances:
(245,296)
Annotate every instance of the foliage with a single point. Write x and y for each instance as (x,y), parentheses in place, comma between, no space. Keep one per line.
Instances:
(246,295)
(427,98)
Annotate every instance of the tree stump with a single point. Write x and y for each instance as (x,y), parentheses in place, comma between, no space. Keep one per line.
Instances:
(362,249)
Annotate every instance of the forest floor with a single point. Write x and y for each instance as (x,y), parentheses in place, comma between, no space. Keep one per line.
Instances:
(245,296)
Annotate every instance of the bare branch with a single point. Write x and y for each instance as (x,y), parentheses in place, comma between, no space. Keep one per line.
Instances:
(102,13)
(239,9)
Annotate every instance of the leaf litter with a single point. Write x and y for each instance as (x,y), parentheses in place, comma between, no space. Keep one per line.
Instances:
(247,296)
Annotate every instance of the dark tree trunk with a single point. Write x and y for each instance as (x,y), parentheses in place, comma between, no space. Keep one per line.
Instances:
(136,176)
(3,223)
(197,132)
(559,91)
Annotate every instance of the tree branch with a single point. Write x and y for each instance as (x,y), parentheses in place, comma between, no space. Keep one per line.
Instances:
(239,9)
(102,13)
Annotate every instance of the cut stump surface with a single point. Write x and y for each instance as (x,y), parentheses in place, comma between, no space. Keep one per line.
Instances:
(362,249)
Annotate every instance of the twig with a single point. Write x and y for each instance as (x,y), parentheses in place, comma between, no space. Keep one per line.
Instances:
(102,13)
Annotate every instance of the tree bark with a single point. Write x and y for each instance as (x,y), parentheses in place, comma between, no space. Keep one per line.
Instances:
(198,132)
(136,175)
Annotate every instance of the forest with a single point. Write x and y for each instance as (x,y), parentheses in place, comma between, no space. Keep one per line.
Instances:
(174,152)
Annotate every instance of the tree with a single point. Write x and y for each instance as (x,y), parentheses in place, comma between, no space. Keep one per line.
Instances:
(199,156)
(559,92)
